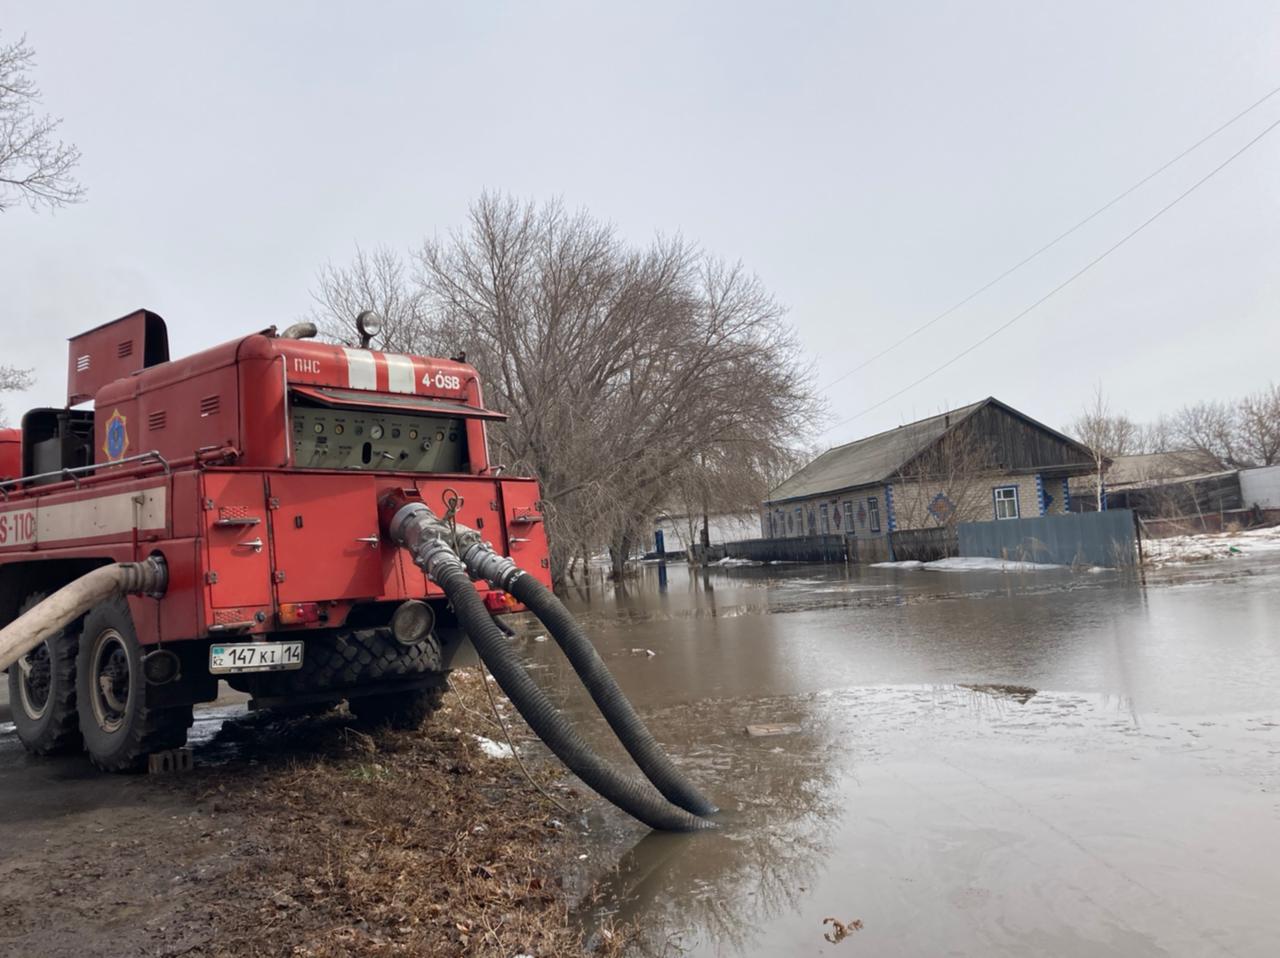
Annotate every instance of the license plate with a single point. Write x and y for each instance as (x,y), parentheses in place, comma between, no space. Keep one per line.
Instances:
(255,657)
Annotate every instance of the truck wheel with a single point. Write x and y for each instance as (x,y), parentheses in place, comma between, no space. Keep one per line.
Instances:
(42,692)
(405,710)
(119,730)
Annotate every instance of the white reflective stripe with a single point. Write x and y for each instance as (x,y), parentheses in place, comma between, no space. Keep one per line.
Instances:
(400,375)
(362,369)
(111,515)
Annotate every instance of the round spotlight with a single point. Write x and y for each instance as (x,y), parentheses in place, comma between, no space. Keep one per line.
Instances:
(161,667)
(368,324)
(412,622)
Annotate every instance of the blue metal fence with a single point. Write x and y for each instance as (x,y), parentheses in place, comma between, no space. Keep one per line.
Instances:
(1093,538)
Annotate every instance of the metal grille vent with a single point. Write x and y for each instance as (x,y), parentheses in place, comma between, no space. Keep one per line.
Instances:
(210,405)
(156,420)
(125,349)
(82,364)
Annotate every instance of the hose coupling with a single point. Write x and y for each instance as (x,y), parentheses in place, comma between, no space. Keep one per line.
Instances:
(411,524)
(483,563)
(149,577)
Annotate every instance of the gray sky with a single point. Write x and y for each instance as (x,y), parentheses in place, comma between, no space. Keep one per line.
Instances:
(873,163)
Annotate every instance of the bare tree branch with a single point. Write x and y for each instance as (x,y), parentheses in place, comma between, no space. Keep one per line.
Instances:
(35,166)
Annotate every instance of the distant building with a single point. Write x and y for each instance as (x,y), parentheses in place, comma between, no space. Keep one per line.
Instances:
(676,533)
(1161,484)
(983,461)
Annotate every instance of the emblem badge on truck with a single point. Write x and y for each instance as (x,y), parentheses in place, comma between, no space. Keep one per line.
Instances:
(117,443)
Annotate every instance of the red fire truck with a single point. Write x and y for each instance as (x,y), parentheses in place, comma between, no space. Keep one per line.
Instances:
(251,474)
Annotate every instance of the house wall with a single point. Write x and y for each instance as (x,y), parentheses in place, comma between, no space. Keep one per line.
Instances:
(1261,487)
(907,505)
(810,515)
(973,501)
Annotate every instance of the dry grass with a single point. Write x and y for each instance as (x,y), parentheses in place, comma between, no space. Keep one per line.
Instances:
(403,844)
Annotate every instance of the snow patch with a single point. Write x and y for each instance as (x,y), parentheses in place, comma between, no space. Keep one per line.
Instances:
(495,749)
(1181,550)
(970,564)
(729,562)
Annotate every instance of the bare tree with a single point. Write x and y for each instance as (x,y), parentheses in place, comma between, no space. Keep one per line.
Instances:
(13,379)
(1258,426)
(1207,436)
(1152,437)
(380,281)
(35,166)
(628,373)
(1107,435)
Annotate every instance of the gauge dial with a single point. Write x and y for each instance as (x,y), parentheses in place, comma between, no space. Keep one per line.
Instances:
(375,432)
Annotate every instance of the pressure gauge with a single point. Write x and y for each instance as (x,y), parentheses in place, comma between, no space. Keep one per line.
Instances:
(375,432)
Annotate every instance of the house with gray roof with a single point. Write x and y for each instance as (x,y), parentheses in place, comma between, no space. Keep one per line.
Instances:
(979,462)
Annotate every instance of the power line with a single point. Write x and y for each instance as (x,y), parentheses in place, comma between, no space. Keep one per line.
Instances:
(1052,243)
(1069,280)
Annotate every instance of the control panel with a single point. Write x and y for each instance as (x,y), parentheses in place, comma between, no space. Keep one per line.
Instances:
(327,438)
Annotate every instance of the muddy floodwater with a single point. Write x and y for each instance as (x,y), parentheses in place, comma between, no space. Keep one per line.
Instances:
(1039,764)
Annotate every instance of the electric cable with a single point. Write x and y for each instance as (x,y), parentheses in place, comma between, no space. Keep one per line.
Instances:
(1066,282)
(1052,243)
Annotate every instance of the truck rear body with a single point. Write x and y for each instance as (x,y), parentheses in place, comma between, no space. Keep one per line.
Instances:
(255,469)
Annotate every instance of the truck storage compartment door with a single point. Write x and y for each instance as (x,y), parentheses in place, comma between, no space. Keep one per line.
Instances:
(326,538)
(235,528)
(526,534)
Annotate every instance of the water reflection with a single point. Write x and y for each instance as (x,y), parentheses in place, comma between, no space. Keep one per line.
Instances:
(977,763)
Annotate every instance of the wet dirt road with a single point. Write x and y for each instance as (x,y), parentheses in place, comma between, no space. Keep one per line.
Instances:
(1048,763)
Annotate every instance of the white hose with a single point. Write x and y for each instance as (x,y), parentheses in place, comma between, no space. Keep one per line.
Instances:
(70,602)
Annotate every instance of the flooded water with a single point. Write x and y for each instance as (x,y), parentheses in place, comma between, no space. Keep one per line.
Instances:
(987,764)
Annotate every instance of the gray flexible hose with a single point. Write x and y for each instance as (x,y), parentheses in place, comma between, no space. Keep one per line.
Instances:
(613,704)
(635,797)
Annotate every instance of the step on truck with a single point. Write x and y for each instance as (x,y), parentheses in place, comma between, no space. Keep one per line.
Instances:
(219,515)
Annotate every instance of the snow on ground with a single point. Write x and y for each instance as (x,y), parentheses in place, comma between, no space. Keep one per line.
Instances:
(970,564)
(729,562)
(494,749)
(1179,550)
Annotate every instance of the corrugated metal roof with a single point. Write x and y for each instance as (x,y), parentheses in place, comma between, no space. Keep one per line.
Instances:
(1158,467)
(869,460)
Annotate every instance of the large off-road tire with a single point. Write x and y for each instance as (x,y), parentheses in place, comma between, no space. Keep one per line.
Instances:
(405,710)
(349,659)
(42,692)
(118,728)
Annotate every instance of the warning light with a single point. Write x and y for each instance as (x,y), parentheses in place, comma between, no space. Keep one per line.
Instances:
(299,613)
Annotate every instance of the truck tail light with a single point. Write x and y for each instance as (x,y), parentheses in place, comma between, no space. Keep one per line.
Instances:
(298,613)
(500,602)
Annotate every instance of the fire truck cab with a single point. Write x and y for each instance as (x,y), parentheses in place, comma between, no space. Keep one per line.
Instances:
(255,470)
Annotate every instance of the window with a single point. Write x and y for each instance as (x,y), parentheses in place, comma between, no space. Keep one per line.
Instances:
(848,517)
(873,511)
(1006,498)
(826,519)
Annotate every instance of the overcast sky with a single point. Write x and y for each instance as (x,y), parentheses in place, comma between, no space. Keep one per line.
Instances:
(873,163)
